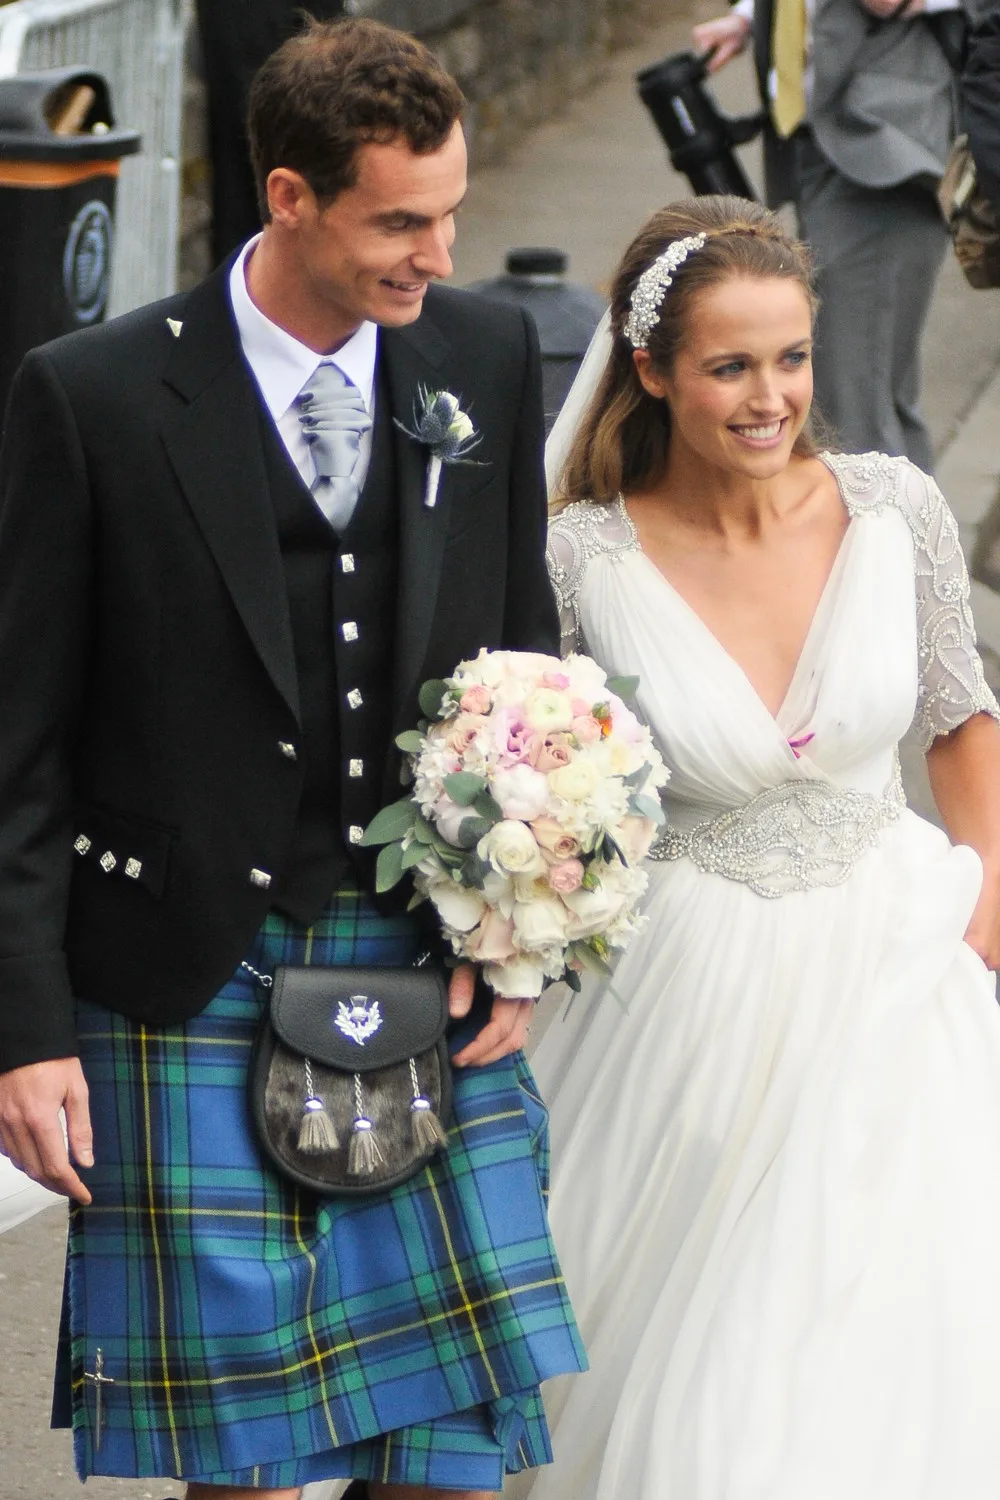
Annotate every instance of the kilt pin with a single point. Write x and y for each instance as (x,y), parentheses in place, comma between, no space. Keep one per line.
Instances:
(251,1333)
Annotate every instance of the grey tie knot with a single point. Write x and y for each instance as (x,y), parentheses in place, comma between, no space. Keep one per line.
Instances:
(333,419)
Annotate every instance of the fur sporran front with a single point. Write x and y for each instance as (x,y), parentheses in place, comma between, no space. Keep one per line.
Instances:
(351,1082)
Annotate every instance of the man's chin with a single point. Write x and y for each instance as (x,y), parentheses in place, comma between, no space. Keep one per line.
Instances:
(397,308)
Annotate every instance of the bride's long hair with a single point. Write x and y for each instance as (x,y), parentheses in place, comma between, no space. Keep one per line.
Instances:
(623,440)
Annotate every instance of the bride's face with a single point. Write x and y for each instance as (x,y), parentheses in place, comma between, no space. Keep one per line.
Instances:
(741,385)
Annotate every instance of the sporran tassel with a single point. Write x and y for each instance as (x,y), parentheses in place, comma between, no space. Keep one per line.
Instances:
(316,1132)
(363,1155)
(428,1134)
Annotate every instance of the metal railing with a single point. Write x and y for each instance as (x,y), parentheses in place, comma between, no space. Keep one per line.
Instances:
(138,45)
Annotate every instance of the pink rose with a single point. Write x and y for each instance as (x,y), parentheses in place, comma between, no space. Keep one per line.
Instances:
(557,680)
(463,733)
(555,845)
(566,877)
(586,728)
(476,700)
(581,707)
(493,941)
(547,751)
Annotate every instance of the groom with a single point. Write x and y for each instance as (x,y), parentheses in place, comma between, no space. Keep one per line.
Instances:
(222,582)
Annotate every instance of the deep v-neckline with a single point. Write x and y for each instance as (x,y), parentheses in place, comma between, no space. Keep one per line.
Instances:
(820,610)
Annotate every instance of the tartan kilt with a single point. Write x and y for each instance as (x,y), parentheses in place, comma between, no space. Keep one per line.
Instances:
(258,1335)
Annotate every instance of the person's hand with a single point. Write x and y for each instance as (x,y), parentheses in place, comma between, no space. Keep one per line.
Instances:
(30,1129)
(505,1032)
(724,37)
(983,932)
(885,10)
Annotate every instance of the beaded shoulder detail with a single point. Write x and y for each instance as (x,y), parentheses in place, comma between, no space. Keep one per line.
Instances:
(577,535)
(952,686)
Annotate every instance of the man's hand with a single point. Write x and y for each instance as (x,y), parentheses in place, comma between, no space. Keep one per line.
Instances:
(30,1130)
(505,1032)
(885,10)
(724,37)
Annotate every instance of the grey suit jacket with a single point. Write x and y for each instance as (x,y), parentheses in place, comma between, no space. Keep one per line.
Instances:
(884,104)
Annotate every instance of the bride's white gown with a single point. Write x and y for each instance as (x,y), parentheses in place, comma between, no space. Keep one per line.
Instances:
(777,1172)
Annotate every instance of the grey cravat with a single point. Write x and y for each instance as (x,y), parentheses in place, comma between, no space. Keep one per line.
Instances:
(333,418)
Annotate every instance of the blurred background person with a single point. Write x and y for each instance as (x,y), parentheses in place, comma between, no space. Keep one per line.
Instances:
(862,110)
(236,37)
(981,101)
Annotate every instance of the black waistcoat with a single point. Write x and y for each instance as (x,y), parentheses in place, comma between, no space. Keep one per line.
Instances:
(342,603)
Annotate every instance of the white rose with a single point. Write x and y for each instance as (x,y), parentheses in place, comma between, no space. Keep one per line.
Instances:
(522,792)
(576,782)
(597,911)
(540,923)
(586,679)
(510,848)
(459,907)
(517,979)
(461,425)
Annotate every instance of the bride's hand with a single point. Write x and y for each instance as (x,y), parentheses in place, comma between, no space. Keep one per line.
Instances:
(983,932)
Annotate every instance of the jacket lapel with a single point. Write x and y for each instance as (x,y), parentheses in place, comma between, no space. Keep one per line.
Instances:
(413,356)
(214,445)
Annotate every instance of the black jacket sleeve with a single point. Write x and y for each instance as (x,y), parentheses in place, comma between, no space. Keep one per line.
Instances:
(45,609)
(981,101)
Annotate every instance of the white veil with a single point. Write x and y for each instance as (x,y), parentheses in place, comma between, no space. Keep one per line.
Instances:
(561,437)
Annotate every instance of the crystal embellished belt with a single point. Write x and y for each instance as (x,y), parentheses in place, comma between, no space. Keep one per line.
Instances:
(793,837)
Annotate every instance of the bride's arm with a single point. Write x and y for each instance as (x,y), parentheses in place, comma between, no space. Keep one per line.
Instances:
(964,770)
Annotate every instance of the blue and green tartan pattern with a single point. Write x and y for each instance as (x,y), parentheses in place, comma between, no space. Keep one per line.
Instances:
(258,1335)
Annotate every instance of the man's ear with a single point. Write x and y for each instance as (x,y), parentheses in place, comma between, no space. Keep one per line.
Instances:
(289,197)
(649,376)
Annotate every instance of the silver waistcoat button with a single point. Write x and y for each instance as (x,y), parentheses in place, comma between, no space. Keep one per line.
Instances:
(261,879)
(288,750)
(349,630)
(354,698)
(108,862)
(355,833)
(347,562)
(355,768)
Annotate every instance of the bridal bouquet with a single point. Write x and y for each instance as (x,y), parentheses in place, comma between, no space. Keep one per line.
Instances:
(533,803)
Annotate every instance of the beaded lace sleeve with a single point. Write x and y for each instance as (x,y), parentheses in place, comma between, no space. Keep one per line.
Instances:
(952,686)
(577,535)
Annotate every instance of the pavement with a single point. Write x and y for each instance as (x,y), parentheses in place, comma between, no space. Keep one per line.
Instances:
(584,182)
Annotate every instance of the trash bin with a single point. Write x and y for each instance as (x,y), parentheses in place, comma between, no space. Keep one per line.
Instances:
(59,164)
(566,315)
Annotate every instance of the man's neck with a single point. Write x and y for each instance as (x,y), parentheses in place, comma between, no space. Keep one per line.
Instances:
(282,298)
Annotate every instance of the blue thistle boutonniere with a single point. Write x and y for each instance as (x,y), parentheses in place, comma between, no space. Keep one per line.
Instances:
(445,430)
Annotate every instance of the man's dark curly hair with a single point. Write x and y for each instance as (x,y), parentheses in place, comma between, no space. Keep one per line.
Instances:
(336,86)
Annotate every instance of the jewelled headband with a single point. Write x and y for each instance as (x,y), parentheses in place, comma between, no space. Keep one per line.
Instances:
(651,288)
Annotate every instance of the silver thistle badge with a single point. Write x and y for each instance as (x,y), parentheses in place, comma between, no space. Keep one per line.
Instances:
(445,430)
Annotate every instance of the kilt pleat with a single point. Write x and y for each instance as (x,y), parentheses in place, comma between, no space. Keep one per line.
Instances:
(256,1334)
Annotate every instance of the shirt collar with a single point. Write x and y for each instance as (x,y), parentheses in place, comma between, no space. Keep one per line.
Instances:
(281,364)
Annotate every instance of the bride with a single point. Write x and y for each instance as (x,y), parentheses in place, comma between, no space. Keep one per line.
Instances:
(777,1154)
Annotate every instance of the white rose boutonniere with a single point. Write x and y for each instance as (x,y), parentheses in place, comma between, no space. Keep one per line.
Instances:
(445,430)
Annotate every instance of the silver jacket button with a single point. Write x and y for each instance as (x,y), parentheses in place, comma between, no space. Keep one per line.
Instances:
(355,698)
(108,862)
(261,879)
(349,630)
(347,562)
(288,750)
(355,833)
(133,868)
(355,768)
(82,844)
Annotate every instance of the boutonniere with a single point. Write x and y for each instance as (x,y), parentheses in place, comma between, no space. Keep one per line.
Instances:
(445,430)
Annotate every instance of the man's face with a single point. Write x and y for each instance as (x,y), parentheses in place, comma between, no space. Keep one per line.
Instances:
(373,251)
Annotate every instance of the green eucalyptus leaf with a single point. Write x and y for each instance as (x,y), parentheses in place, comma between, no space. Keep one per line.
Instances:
(574,981)
(487,807)
(462,787)
(623,687)
(415,900)
(611,851)
(389,869)
(474,872)
(411,741)
(423,830)
(430,697)
(637,779)
(648,807)
(391,823)
(471,830)
(414,854)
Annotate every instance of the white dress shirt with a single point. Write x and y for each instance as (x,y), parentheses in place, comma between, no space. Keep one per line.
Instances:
(281,366)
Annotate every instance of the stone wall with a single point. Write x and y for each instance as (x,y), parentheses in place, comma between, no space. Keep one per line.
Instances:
(518,61)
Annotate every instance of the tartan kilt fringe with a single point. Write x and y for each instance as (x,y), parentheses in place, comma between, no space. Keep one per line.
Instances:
(251,1333)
